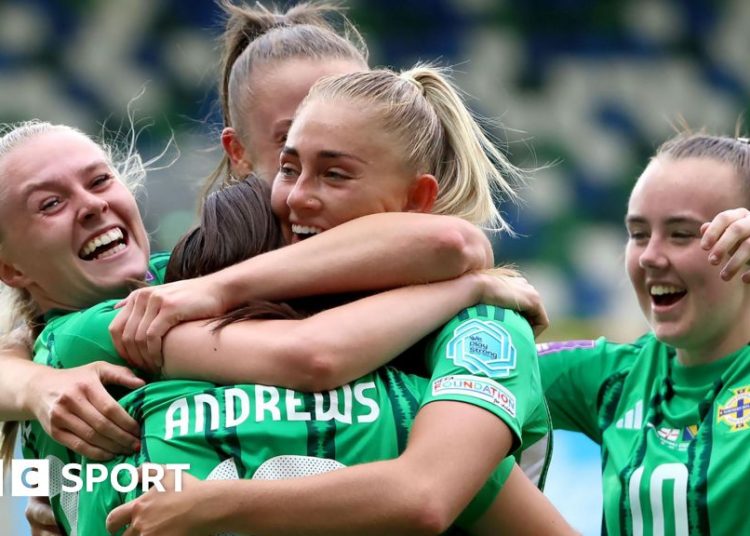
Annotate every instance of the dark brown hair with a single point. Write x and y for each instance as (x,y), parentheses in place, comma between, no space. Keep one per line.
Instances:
(236,223)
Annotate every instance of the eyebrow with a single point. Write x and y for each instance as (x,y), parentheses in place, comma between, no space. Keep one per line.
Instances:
(672,220)
(282,124)
(54,181)
(324,154)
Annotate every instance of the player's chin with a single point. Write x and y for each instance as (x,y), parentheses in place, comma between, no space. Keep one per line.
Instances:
(675,334)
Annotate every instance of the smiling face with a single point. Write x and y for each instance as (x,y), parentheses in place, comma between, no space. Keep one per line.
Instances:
(277,90)
(682,296)
(70,230)
(338,165)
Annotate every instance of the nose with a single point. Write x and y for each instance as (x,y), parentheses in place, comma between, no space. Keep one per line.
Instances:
(91,206)
(303,198)
(653,255)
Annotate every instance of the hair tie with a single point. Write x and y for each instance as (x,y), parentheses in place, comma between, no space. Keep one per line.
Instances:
(413,81)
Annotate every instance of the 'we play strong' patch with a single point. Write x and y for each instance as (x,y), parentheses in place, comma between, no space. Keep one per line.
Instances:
(482,348)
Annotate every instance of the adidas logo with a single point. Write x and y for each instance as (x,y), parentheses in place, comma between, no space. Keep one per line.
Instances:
(633,418)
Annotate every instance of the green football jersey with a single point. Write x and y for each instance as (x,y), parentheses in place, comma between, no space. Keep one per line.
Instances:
(71,339)
(672,436)
(485,356)
(268,432)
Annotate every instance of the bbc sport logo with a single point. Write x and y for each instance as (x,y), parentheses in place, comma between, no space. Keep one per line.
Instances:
(31,478)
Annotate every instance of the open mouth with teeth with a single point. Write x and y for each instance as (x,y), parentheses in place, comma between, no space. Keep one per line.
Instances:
(104,245)
(305,231)
(665,295)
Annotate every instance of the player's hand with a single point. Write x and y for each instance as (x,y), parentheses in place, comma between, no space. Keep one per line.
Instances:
(727,240)
(508,288)
(148,313)
(162,513)
(40,517)
(76,410)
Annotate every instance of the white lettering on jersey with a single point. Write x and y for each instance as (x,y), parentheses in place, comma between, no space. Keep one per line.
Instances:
(292,402)
(177,407)
(272,405)
(334,411)
(201,401)
(359,396)
(232,398)
(340,405)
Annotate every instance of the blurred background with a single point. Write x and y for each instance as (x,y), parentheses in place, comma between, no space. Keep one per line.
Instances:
(585,90)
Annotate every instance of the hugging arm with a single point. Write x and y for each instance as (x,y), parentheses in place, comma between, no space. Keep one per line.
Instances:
(322,351)
(18,372)
(41,518)
(421,492)
(72,405)
(63,401)
(522,509)
(375,252)
(330,348)
(458,438)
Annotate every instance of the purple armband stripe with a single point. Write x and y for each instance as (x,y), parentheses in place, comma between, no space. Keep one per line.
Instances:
(558,346)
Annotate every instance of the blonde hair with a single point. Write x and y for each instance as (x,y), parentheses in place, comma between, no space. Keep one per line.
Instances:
(257,34)
(19,339)
(18,309)
(18,312)
(427,115)
(16,304)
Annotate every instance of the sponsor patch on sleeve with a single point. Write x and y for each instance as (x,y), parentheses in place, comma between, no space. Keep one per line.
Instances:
(476,387)
(482,348)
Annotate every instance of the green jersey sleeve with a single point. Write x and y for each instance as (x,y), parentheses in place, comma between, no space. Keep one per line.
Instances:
(74,338)
(486,357)
(574,374)
(71,339)
(157,267)
(78,338)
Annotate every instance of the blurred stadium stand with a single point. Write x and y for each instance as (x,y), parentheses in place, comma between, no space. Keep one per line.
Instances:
(584,90)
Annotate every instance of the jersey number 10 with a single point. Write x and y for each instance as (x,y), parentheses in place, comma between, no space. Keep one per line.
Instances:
(678,474)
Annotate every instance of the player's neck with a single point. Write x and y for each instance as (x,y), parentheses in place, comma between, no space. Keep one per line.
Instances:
(708,351)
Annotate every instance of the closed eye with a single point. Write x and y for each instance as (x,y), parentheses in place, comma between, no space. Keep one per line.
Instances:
(637,235)
(49,204)
(684,235)
(101,180)
(336,174)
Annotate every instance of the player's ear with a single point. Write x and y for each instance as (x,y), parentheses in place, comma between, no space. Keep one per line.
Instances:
(239,158)
(422,194)
(12,276)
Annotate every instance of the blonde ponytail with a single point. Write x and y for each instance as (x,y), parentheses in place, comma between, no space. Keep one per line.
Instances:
(424,111)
